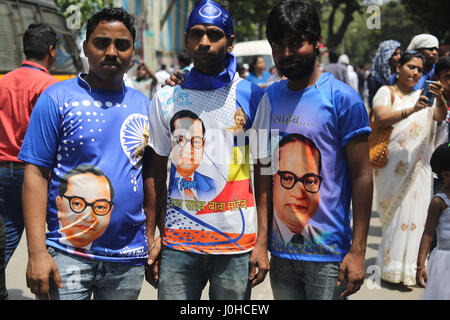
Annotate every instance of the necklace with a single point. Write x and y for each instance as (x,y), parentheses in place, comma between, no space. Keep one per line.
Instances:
(400,92)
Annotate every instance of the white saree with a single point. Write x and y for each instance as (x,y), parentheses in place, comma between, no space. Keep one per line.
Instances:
(404,188)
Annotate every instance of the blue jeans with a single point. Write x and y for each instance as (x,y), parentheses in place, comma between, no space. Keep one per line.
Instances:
(83,277)
(3,291)
(183,276)
(304,280)
(11,181)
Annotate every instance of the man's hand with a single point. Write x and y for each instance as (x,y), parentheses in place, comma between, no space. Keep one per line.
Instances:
(152,267)
(39,270)
(353,268)
(176,78)
(259,265)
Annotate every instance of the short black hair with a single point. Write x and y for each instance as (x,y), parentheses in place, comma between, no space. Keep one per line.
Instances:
(296,137)
(441,65)
(185,114)
(408,55)
(111,14)
(82,168)
(293,17)
(37,39)
(184,60)
(440,159)
(333,56)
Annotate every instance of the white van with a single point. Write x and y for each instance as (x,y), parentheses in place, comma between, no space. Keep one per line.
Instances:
(246,50)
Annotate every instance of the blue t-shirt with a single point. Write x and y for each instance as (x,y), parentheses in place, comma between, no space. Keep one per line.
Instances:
(92,142)
(254,78)
(314,125)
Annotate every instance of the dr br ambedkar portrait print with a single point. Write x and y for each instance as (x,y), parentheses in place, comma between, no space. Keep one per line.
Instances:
(188,146)
(296,188)
(84,203)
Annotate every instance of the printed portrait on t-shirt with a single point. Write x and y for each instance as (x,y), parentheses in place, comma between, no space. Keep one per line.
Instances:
(296,189)
(84,204)
(188,147)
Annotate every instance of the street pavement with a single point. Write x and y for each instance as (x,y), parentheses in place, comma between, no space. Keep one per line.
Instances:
(371,290)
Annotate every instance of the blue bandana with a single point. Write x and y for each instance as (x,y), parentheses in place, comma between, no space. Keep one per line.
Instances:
(381,68)
(210,12)
(197,80)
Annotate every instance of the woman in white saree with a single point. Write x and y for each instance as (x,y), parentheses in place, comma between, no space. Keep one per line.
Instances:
(404,186)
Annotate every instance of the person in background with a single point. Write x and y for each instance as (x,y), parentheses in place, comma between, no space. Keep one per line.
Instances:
(184,61)
(338,70)
(404,187)
(3,290)
(352,76)
(384,65)
(19,91)
(275,76)
(434,276)
(257,72)
(161,76)
(145,80)
(428,46)
(241,70)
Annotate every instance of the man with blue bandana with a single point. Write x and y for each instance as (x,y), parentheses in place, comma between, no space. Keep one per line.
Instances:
(209,236)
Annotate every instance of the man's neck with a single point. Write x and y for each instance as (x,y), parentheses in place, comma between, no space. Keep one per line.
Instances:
(211,72)
(41,62)
(305,82)
(97,83)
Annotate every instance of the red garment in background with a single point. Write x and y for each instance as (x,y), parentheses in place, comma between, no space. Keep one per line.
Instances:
(19,90)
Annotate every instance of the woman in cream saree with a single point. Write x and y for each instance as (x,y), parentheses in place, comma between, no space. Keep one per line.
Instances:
(404,186)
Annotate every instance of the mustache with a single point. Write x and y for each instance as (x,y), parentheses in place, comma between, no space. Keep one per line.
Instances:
(208,52)
(108,62)
(290,61)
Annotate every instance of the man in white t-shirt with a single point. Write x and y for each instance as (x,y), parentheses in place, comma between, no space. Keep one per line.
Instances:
(161,77)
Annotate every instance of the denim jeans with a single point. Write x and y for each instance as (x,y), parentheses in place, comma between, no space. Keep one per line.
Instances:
(83,277)
(11,181)
(3,291)
(304,280)
(183,276)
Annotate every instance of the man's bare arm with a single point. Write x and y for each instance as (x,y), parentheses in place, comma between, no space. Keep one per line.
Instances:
(155,195)
(34,201)
(357,152)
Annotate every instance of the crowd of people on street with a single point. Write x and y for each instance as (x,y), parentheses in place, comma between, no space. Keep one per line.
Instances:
(217,174)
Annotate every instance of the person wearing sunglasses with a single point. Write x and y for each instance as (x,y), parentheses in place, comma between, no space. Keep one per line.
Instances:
(188,145)
(296,190)
(84,205)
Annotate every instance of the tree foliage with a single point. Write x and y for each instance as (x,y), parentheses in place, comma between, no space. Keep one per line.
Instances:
(86,8)
(431,16)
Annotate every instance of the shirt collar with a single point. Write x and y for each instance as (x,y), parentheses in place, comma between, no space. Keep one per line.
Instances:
(113,93)
(35,65)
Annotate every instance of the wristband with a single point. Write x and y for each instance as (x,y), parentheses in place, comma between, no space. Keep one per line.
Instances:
(421,267)
(404,115)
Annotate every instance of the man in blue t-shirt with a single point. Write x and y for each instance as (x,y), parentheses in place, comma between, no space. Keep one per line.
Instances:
(320,163)
(83,152)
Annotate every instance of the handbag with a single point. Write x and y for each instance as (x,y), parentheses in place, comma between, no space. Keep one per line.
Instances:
(379,140)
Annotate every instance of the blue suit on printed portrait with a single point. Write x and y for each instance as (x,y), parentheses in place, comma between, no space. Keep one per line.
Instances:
(204,187)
